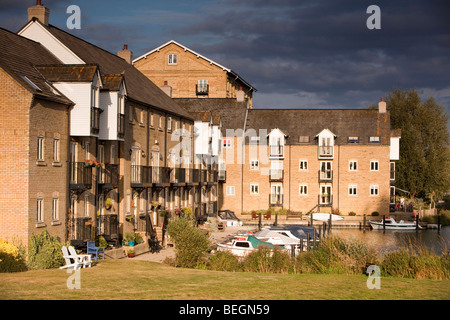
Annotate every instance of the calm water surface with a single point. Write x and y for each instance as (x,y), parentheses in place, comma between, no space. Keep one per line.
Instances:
(390,240)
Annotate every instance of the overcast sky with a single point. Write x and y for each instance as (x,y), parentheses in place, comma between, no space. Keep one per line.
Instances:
(304,54)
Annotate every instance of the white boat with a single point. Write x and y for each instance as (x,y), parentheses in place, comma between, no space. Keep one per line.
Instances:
(242,245)
(229,218)
(286,236)
(391,224)
(325,216)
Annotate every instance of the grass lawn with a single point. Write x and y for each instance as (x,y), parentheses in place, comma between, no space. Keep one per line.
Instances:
(142,280)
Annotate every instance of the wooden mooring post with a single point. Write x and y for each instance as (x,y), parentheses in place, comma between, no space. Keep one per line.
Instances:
(417,221)
(259,223)
(439,223)
(384,222)
(364,222)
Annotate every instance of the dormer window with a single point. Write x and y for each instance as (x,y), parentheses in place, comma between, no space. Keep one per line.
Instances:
(276,144)
(326,144)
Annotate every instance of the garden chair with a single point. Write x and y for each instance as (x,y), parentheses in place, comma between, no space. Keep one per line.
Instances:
(83,259)
(254,215)
(95,251)
(71,261)
(268,215)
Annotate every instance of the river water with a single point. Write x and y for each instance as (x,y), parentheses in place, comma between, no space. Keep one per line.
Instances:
(390,240)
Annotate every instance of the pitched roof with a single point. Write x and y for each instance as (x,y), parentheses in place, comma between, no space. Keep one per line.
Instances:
(139,88)
(231,112)
(18,58)
(111,82)
(344,123)
(252,88)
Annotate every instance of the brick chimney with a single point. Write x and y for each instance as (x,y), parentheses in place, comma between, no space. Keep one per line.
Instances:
(40,12)
(382,106)
(126,54)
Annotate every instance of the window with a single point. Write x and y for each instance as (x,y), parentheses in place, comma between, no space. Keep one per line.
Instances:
(130,113)
(254,189)
(86,205)
(169,124)
(373,165)
(152,121)
(303,139)
(40,148)
(374,139)
(276,146)
(326,144)
(160,124)
(352,190)
(303,190)
(141,117)
(230,190)
(392,171)
(55,150)
(55,213)
(326,172)
(303,166)
(172,59)
(202,87)
(94,97)
(254,164)
(353,165)
(40,210)
(227,143)
(353,139)
(374,190)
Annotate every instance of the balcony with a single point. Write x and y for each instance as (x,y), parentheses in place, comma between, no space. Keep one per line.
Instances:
(276,200)
(325,200)
(326,152)
(325,176)
(80,176)
(177,177)
(82,231)
(121,125)
(95,120)
(108,176)
(276,175)
(161,176)
(108,226)
(141,176)
(222,176)
(202,90)
(276,151)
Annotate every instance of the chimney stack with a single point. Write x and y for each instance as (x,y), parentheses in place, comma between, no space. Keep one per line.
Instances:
(167,89)
(39,12)
(240,95)
(382,106)
(126,54)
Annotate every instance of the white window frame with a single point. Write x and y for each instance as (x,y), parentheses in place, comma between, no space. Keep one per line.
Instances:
(172,59)
(86,205)
(254,189)
(374,139)
(303,189)
(55,208)
(254,165)
(374,191)
(55,149)
(40,148)
(353,165)
(40,210)
(374,165)
(352,190)
(231,191)
(303,165)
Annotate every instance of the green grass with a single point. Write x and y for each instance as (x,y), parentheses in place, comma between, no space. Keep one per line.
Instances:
(139,280)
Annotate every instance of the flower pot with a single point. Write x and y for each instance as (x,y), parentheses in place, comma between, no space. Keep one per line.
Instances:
(130,255)
(131,243)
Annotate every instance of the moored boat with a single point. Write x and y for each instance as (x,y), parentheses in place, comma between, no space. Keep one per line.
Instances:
(391,224)
(320,216)
(243,245)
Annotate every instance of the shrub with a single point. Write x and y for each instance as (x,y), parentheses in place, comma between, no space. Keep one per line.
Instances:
(352,213)
(191,244)
(223,261)
(266,259)
(11,258)
(375,214)
(44,252)
(101,242)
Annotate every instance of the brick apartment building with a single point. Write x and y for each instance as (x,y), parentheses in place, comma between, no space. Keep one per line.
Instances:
(92,141)
(299,159)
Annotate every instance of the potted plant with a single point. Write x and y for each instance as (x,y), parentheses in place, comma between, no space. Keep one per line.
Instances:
(108,204)
(156,205)
(130,219)
(177,211)
(187,211)
(129,237)
(130,253)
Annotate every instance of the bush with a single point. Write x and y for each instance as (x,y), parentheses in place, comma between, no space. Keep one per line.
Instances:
(375,214)
(223,261)
(266,259)
(352,213)
(45,252)
(191,244)
(11,258)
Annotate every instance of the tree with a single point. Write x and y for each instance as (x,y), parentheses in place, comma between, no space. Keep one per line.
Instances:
(424,165)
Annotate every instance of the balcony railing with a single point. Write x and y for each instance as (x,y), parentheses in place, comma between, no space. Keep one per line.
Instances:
(83,229)
(178,176)
(95,120)
(108,226)
(326,151)
(109,175)
(325,200)
(325,176)
(80,175)
(202,89)
(276,200)
(222,175)
(141,176)
(121,125)
(276,175)
(161,176)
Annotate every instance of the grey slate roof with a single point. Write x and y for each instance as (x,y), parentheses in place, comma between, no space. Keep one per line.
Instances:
(344,123)
(19,57)
(139,88)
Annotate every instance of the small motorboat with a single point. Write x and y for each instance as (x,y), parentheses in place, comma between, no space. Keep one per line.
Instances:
(319,216)
(243,245)
(287,236)
(229,218)
(391,224)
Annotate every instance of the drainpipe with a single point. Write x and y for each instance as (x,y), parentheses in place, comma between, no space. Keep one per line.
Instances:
(243,157)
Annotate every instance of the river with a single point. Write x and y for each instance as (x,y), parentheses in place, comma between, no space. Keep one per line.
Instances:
(390,240)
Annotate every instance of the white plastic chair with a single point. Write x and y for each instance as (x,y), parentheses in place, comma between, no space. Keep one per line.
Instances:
(71,261)
(82,259)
